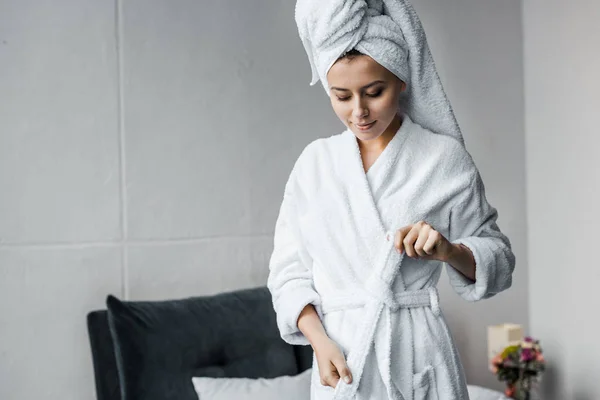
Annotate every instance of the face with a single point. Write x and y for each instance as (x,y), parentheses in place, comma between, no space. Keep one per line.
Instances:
(363,92)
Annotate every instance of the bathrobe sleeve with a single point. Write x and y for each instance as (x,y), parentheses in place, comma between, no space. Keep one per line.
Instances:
(473,224)
(290,280)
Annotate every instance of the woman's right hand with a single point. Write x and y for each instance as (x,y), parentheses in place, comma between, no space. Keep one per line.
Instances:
(332,363)
(330,359)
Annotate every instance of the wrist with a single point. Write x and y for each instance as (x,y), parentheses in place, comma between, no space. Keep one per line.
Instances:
(319,340)
(454,253)
(462,259)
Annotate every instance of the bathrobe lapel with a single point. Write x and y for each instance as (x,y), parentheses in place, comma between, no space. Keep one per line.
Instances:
(374,224)
(364,190)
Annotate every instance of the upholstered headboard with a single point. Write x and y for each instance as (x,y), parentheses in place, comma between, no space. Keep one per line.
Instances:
(248,311)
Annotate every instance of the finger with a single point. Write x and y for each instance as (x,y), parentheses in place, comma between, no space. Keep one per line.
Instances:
(333,380)
(343,370)
(399,237)
(409,241)
(330,378)
(422,239)
(432,242)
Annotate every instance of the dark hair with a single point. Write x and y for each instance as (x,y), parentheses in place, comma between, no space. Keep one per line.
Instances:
(349,55)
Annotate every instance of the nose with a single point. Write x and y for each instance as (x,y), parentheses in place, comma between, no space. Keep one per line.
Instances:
(360,110)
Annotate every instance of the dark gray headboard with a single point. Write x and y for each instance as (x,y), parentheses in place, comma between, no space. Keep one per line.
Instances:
(103,355)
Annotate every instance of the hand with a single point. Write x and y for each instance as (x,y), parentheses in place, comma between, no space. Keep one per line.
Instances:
(332,363)
(421,241)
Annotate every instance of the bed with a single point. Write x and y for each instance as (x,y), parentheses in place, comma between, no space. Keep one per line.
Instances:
(152,349)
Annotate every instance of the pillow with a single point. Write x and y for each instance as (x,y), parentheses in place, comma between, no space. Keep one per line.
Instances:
(290,387)
(480,393)
(161,345)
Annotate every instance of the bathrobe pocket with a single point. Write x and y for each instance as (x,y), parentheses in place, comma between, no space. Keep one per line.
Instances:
(424,384)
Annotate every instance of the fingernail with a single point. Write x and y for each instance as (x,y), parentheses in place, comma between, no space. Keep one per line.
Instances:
(347,379)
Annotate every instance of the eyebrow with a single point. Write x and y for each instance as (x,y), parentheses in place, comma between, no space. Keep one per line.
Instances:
(364,87)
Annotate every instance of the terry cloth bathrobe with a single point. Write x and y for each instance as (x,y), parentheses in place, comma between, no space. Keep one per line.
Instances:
(333,243)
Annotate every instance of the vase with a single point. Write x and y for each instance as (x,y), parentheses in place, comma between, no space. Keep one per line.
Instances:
(518,391)
(510,390)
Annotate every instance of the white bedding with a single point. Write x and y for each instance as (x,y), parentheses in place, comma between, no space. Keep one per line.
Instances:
(480,393)
(294,388)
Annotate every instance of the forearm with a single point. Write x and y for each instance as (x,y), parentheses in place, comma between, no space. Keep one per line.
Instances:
(461,259)
(311,326)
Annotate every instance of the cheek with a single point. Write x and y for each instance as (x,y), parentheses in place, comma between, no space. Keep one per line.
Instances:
(388,106)
(341,110)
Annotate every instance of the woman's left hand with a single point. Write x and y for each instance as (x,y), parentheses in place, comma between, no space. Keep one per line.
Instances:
(421,241)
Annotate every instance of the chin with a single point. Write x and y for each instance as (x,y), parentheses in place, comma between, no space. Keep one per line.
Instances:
(367,135)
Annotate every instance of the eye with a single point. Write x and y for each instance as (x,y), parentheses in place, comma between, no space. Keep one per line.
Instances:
(376,94)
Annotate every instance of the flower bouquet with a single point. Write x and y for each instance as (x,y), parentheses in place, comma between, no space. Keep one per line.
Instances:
(520,366)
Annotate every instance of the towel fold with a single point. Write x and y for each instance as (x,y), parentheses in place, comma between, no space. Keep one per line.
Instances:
(390,32)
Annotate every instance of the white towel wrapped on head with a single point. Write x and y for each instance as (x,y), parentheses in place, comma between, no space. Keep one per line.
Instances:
(390,32)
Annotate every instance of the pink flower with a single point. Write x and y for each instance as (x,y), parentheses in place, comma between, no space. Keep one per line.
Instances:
(494,369)
(527,355)
(527,345)
(540,357)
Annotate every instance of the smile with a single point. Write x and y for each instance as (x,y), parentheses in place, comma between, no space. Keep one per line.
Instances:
(366,127)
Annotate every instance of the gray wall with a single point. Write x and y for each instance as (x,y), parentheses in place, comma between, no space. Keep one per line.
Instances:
(562,61)
(144,146)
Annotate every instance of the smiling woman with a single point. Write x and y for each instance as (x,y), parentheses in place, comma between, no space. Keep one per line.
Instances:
(366,96)
(403,197)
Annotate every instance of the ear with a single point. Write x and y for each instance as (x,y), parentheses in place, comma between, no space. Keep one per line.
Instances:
(402,86)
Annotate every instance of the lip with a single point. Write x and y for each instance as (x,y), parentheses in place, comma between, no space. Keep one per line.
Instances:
(366,127)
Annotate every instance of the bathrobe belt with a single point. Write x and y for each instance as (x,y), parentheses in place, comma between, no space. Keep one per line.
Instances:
(408,299)
(377,328)
(378,302)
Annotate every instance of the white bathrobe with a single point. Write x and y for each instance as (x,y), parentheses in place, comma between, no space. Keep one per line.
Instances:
(333,248)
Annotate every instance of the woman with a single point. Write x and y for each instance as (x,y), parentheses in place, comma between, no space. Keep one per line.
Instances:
(370,215)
